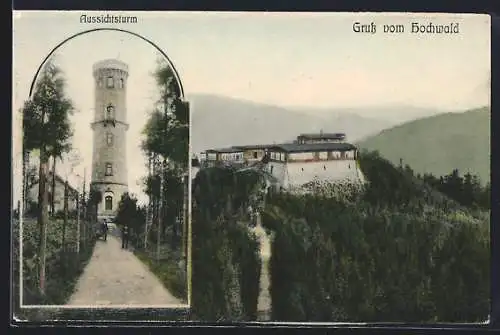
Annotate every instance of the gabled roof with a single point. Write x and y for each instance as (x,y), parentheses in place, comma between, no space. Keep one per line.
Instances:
(314,147)
(60,180)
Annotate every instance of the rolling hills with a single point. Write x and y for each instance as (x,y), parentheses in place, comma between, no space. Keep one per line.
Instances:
(439,144)
(221,121)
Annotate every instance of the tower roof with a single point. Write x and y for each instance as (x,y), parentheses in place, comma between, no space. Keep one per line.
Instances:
(110,64)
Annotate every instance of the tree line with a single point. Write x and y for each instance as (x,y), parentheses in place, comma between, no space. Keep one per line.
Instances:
(467,189)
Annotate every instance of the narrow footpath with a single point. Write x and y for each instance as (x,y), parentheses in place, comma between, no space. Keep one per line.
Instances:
(114,276)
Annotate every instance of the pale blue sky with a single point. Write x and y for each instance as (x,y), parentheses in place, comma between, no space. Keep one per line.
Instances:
(286,59)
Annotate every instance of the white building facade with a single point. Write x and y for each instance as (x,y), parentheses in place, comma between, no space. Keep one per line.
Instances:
(294,165)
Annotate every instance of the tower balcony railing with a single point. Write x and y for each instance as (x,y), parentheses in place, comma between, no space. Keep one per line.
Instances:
(109,121)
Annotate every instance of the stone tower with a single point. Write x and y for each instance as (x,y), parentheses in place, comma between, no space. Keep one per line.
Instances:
(109,157)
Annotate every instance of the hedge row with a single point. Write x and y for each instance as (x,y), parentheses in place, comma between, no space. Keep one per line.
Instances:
(225,254)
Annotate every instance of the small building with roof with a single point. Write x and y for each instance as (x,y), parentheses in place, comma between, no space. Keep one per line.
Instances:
(55,188)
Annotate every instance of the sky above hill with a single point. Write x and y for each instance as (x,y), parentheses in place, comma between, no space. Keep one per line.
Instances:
(281,59)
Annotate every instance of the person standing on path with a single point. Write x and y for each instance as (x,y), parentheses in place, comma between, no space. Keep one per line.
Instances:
(125,235)
(104,229)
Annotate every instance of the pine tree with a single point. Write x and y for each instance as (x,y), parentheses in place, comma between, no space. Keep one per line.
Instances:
(46,127)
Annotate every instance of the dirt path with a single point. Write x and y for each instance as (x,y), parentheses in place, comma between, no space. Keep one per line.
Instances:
(114,276)
(264,302)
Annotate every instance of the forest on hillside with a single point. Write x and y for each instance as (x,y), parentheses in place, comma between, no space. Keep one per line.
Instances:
(405,247)
(440,143)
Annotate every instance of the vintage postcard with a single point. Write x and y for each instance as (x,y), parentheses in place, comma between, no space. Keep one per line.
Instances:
(254,167)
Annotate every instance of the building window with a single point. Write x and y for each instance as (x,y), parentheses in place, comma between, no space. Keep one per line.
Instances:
(109,169)
(110,112)
(110,82)
(108,203)
(121,83)
(255,154)
(109,139)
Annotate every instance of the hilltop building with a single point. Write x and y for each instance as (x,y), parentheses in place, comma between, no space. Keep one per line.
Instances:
(323,156)
(109,159)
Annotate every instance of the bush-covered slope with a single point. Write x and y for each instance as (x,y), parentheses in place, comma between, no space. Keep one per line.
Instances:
(401,252)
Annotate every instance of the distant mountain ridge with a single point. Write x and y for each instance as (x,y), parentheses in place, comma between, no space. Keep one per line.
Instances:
(219,121)
(439,144)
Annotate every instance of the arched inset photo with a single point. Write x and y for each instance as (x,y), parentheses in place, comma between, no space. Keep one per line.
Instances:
(101,181)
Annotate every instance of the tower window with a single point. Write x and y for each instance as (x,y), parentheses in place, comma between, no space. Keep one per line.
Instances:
(110,111)
(121,83)
(109,169)
(110,82)
(109,139)
(108,203)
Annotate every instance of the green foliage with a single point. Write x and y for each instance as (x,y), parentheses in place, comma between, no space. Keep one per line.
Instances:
(167,129)
(95,196)
(401,252)
(173,199)
(225,254)
(166,144)
(466,190)
(46,116)
(128,212)
(63,266)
